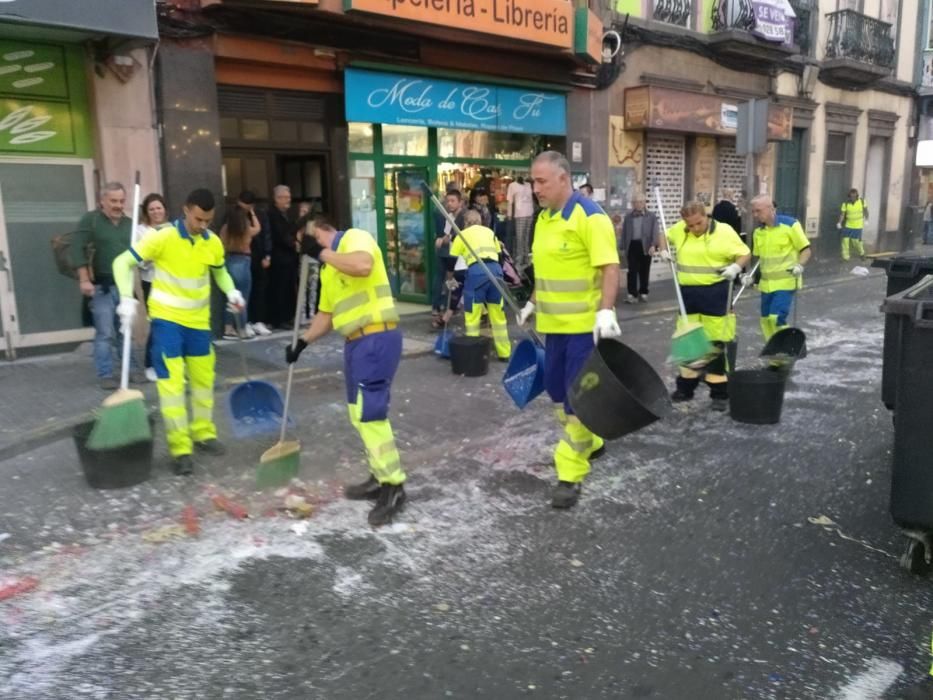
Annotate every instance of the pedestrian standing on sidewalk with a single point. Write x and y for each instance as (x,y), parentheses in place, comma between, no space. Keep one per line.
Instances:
(576,283)
(852,217)
(479,293)
(356,300)
(443,235)
(586,189)
(782,250)
(639,242)
(522,210)
(108,232)
(709,255)
(260,262)
(283,273)
(153,215)
(726,212)
(185,255)
(237,235)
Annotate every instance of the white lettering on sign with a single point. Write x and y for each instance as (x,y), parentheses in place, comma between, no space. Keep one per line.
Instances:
(23,125)
(404,94)
(530,105)
(476,104)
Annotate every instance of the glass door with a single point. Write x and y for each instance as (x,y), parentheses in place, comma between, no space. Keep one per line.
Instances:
(407,210)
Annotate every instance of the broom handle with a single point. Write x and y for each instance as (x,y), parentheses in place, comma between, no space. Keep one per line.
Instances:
(680,298)
(302,283)
(744,286)
(128,332)
(492,278)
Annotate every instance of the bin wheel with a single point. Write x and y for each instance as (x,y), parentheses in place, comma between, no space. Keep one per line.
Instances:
(914,558)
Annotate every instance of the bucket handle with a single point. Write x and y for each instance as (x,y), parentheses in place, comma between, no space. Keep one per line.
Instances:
(492,278)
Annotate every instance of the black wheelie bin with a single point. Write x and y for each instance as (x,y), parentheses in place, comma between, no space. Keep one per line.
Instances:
(912,470)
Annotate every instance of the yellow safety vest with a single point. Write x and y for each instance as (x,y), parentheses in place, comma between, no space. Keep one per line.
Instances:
(854,213)
(778,249)
(181,280)
(357,302)
(700,259)
(570,247)
(482,241)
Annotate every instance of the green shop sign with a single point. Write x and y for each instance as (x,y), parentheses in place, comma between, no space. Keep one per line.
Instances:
(43,104)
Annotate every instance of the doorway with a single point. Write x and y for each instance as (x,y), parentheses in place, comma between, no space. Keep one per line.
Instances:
(837,178)
(789,181)
(875,174)
(407,210)
(306,177)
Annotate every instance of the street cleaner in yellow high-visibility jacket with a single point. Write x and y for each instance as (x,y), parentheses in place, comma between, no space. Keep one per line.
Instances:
(184,256)
(783,250)
(576,282)
(709,255)
(852,217)
(356,301)
(478,291)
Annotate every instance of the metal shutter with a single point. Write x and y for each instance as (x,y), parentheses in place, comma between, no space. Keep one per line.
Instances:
(664,164)
(731,169)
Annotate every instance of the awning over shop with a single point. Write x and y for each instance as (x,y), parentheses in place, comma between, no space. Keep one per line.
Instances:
(128,19)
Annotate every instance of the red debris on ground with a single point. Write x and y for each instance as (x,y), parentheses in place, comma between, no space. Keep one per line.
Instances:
(189,519)
(234,510)
(15,588)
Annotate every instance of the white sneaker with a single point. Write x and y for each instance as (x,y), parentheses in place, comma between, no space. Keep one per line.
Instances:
(250,333)
(630,299)
(151,375)
(261,329)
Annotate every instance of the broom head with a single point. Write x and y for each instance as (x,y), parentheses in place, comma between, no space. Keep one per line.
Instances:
(122,420)
(279,464)
(690,344)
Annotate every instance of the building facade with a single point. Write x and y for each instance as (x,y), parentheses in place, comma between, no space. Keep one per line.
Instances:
(75,110)
(839,79)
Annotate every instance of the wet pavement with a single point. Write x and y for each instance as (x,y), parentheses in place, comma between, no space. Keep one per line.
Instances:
(706,558)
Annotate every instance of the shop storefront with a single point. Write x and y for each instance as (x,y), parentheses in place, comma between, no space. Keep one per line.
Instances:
(405,130)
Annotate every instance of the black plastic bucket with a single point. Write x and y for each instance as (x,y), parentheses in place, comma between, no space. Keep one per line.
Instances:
(617,392)
(756,396)
(116,468)
(787,342)
(469,355)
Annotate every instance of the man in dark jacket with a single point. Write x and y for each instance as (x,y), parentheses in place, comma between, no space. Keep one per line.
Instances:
(639,241)
(726,212)
(283,272)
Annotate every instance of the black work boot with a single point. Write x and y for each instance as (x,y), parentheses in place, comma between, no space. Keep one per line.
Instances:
(719,395)
(685,389)
(390,501)
(213,447)
(565,494)
(598,453)
(366,490)
(183,465)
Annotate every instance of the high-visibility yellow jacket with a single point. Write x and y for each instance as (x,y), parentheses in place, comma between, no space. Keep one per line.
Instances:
(570,248)
(700,259)
(854,213)
(356,302)
(778,249)
(481,240)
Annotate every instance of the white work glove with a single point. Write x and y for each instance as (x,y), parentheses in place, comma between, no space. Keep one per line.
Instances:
(796,270)
(525,313)
(747,279)
(235,301)
(607,325)
(730,272)
(452,284)
(126,310)
(839,226)
(664,254)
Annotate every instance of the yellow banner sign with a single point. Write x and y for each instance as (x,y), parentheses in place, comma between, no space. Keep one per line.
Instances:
(539,21)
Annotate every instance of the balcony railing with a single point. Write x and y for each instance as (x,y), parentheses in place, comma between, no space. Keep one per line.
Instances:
(733,14)
(676,12)
(803,10)
(861,38)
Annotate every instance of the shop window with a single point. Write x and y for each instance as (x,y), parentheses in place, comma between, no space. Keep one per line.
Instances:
(485,145)
(363,195)
(361,137)
(312,132)
(229,128)
(284,131)
(404,140)
(255,129)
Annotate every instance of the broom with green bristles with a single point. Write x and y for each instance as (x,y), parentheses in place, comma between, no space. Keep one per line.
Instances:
(123,418)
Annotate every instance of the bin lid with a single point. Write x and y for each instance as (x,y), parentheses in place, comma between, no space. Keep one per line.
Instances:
(916,264)
(916,302)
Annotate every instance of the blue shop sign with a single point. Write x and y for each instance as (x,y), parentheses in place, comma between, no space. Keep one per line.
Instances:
(390,98)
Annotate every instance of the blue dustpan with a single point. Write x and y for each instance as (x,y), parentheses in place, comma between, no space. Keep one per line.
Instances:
(524,377)
(442,344)
(255,408)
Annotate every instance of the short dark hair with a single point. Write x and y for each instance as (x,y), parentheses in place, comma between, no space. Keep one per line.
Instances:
(202,198)
(587,186)
(320,222)
(454,193)
(247,197)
